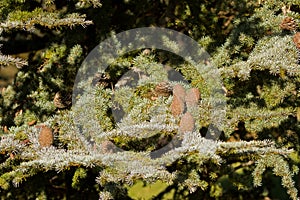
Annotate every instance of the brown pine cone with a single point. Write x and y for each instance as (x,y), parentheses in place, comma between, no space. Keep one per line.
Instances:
(177,106)
(163,89)
(192,97)
(187,123)
(179,91)
(62,99)
(46,136)
(296,40)
(288,23)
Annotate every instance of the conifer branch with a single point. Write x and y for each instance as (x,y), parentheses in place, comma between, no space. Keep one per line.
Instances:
(280,168)
(156,136)
(27,20)
(6,60)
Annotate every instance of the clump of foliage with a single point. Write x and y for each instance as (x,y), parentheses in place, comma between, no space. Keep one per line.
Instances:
(48,41)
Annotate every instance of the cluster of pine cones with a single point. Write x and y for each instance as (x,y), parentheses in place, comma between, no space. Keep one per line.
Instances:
(182,100)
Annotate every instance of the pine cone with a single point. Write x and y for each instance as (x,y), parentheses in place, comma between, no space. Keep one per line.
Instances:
(163,89)
(179,91)
(296,40)
(46,136)
(187,123)
(192,97)
(177,106)
(62,99)
(288,23)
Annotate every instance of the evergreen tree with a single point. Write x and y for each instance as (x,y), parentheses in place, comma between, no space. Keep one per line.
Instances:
(45,154)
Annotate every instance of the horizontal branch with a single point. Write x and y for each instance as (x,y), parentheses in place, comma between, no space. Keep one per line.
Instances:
(6,60)
(28,20)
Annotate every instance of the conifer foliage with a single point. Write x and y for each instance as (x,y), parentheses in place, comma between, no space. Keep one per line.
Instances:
(45,154)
